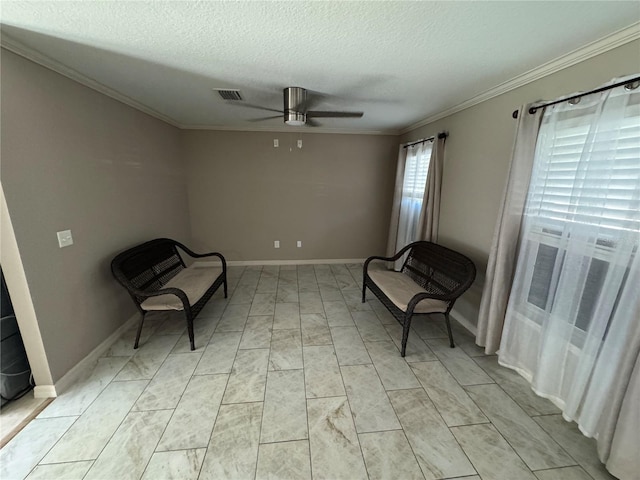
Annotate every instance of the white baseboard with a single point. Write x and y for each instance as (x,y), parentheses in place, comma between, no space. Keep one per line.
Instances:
(246,263)
(250,263)
(44,391)
(466,309)
(87,362)
(464,321)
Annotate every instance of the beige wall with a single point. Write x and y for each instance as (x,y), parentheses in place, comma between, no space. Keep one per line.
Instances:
(478,153)
(75,159)
(334,194)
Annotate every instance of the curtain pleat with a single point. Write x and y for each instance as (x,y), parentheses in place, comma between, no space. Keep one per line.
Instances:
(410,193)
(611,409)
(618,444)
(430,215)
(503,253)
(572,321)
(397,200)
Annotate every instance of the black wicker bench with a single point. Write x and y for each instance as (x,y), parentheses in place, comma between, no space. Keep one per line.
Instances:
(430,280)
(157,279)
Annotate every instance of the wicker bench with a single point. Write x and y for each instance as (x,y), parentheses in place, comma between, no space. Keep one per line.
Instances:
(157,279)
(431,279)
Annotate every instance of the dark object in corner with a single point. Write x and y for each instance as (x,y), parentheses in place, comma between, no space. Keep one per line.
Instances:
(15,372)
(430,280)
(157,279)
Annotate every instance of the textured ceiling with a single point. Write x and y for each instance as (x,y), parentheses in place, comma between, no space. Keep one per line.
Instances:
(398,62)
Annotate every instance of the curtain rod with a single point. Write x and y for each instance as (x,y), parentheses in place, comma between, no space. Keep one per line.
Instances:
(579,95)
(424,140)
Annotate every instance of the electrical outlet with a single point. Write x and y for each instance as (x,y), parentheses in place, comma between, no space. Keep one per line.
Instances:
(299,143)
(299,243)
(276,144)
(276,244)
(64,238)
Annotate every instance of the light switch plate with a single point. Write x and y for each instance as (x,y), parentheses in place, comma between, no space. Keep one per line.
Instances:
(64,238)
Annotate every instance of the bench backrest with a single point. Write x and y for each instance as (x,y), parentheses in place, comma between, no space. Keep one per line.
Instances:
(148,266)
(438,269)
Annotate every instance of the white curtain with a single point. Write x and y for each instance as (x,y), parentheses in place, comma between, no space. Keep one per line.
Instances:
(504,247)
(413,167)
(430,214)
(572,315)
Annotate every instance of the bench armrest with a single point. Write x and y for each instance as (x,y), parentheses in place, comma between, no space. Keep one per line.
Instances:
(388,259)
(192,254)
(418,297)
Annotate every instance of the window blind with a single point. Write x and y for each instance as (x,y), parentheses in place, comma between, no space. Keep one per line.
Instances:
(416,170)
(588,182)
(582,214)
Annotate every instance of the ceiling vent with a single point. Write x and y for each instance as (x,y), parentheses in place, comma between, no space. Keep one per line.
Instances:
(229,94)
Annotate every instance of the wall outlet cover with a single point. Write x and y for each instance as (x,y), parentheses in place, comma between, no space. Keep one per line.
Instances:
(276,244)
(64,238)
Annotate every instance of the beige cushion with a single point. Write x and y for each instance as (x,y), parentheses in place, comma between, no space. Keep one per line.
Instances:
(194,281)
(400,289)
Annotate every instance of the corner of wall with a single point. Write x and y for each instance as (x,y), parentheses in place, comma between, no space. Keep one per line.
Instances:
(22,303)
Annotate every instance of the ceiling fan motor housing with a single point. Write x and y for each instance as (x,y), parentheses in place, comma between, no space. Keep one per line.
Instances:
(293,98)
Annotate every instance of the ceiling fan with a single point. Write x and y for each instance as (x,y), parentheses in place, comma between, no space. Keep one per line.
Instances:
(297,109)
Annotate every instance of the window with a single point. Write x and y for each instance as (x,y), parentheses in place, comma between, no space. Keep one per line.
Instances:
(413,187)
(581,225)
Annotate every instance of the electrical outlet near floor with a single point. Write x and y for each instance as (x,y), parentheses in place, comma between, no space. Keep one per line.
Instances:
(299,243)
(276,244)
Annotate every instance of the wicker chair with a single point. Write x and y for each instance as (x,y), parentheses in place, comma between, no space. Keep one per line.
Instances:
(431,279)
(157,278)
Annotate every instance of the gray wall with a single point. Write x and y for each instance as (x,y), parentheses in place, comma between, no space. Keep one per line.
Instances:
(75,159)
(334,194)
(478,152)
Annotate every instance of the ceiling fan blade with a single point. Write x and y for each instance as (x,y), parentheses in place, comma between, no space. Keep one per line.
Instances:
(314,114)
(313,98)
(249,105)
(261,119)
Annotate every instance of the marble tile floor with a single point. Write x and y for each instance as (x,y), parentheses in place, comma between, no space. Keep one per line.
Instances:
(294,378)
(15,414)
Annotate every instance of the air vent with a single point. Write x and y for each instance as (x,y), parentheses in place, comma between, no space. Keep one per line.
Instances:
(228,94)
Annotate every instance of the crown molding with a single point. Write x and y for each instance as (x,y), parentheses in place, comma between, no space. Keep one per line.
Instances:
(590,50)
(19,48)
(581,54)
(13,45)
(285,129)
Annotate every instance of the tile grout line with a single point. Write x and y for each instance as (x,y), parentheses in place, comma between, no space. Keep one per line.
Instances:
(78,418)
(332,271)
(346,393)
(528,416)
(121,422)
(444,422)
(304,379)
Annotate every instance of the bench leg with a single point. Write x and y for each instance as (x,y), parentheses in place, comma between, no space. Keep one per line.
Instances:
(190,331)
(446,318)
(135,345)
(364,292)
(225,287)
(405,334)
